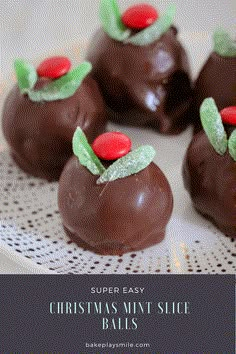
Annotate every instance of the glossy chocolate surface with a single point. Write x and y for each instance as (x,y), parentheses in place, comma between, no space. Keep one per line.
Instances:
(144,85)
(217,79)
(211,181)
(40,134)
(116,217)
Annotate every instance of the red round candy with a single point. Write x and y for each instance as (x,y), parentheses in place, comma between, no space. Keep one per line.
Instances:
(54,67)
(228,115)
(111,145)
(139,16)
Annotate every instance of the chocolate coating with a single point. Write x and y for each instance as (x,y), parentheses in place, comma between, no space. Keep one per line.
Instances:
(211,179)
(40,134)
(217,79)
(144,85)
(116,217)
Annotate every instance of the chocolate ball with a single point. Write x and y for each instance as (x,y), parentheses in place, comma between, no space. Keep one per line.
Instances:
(217,79)
(124,215)
(144,85)
(210,180)
(40,133)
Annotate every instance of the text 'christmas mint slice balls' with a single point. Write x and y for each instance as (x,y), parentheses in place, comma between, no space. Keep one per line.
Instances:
(217,78)
(43,110)
(118,204)
(210,167)
(141,67)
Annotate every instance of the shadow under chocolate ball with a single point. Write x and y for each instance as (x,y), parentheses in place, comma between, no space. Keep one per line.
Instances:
(115,217)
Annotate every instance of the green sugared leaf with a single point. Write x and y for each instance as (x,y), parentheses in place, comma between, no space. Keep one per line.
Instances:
(110,18)
(232,145)
(224,45)
(85,154)
(63,87)
(213,126)
(26,75)
(155,31)
(128,165)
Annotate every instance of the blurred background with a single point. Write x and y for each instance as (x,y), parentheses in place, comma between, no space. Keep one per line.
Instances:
(30,28)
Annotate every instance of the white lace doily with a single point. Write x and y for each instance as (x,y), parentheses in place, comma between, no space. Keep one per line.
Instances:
(30,225)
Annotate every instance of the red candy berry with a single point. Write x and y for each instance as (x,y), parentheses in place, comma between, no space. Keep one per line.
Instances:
(139,16)
(111,145)
(228,115)
(54,67)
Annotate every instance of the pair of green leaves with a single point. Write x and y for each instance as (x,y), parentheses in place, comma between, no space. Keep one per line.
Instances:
(58,89)
(110,17)
(214,129)
(128,165)
(155,31)
(224,45)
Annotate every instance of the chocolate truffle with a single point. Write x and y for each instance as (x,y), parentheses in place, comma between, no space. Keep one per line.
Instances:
(210,178)
(116,216)
(217,77)
(39,132)
(145,82)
